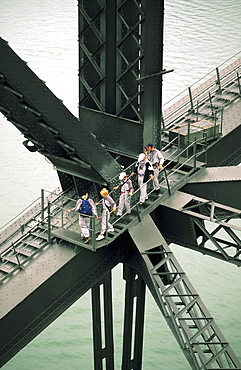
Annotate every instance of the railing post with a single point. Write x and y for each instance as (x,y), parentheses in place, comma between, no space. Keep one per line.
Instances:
(42,204)
(191,101)
(62,212)
(211,104)
(221,129)
(197,110)
(49,222)
(212,211)
(106,222)
(168,186)
(179,146)
(16,253)
(218,80)
(215,124)
(206,144)
(195,154)
(239,86)
(92,228)
(188,137)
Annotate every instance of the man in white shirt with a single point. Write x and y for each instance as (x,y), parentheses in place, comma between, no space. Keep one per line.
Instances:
(144,171)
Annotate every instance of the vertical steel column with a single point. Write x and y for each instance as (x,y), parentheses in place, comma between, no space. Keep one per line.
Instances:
(152,42)
(110,57)
(133,320)
(103,345)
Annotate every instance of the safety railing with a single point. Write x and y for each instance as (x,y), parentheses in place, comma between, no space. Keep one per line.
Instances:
(202,90)
(59,216)
(55,214)
(29,217)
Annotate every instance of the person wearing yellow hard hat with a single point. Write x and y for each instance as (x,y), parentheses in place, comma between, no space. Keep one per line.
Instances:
(108,205)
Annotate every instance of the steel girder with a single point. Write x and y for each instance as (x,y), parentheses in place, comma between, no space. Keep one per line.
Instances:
(108,337)
(47,123)
(120,51)
(219,184)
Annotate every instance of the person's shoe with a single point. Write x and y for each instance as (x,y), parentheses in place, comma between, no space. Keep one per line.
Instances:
(141,203)
(157,192)
(87,240)
(111,230)
(83,237)
(128,215)
(100,237)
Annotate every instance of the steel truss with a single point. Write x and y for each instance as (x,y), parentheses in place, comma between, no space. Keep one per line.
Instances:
(115,71)
(220,220)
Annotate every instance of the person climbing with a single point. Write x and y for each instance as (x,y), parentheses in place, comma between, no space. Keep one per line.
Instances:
(144,171)
(86,207)
(156,158)
(108,205)
(126,191)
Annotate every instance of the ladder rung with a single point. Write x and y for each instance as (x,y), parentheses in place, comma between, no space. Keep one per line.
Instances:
(200,331)
(196,318)
(9,259)
(6,269)
(181,295)
(24,252)
(173,284)
(41,236)
(208,343)
(187,307)
(217,355)
(168,273)
(159,252)
(33,244)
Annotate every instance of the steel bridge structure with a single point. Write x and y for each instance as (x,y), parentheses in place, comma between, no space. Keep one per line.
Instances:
(45,266)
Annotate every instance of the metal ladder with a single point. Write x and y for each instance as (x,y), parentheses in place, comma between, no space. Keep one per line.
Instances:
(194,328)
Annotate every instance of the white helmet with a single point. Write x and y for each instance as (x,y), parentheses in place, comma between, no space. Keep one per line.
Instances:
(141,157)
(122,175)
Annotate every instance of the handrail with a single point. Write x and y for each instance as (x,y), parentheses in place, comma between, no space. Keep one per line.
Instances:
(37,202)
(53,210)
(201,93)
(172,159)
(19,214)
(59,213)
(202,78)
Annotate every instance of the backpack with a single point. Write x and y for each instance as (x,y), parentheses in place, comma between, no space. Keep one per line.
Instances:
(85,208)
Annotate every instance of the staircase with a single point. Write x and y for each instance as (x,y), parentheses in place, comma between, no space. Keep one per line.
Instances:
(27,236)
